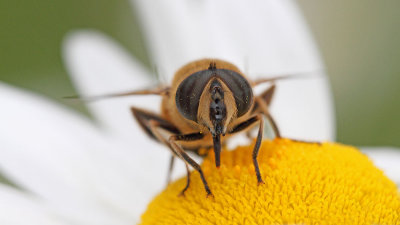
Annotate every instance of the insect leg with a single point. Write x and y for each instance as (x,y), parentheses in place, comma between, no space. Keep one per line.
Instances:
(271,79)
(244,125)
(144,117)
(185,157)
(308,74)
(266,96)
(170,168)
(262,104)
(187,180)
(154,126)
(307,142)
(161,90)
(150,123)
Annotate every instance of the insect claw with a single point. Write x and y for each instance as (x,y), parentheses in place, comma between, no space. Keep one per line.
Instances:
(209,194)
(181,194)
(260,182)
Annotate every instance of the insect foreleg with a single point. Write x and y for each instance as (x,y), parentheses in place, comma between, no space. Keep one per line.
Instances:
(257,118)
(186,158)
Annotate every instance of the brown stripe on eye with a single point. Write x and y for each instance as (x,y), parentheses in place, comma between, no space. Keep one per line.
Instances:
(188,94)
(240,88)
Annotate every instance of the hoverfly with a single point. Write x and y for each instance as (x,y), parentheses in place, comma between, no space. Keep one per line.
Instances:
(209,101)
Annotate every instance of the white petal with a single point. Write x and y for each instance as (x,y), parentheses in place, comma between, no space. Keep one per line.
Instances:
(387,159)
(99,66)
(64,159)
(302,109)
(19,208)
(32,131)
(270,35)
(51,152)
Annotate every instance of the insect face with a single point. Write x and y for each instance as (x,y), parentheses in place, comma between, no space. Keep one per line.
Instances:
(217,114)
(214,98)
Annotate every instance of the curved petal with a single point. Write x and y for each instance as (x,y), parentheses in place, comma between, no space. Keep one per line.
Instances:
(270,35)
(63,159)
(99,66)
(387,159)
(37,136)
(20,208)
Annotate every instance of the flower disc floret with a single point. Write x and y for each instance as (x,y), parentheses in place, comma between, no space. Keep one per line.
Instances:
(305,183)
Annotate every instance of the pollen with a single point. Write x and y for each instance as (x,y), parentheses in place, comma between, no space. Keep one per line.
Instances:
(305,183)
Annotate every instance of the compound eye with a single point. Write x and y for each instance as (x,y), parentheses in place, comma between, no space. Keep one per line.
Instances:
(241,90)
(188,94)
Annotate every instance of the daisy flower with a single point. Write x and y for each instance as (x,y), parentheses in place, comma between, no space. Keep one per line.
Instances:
(72,170)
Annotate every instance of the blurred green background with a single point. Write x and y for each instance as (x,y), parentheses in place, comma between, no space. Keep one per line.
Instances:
(358,39)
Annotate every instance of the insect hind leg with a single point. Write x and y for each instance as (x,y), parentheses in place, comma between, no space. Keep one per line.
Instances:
(261,105)
(170,168)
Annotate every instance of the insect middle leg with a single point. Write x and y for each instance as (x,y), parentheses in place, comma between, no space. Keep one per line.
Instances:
(257,118)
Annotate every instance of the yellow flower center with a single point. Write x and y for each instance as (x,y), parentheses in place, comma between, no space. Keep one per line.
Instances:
(304,184)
